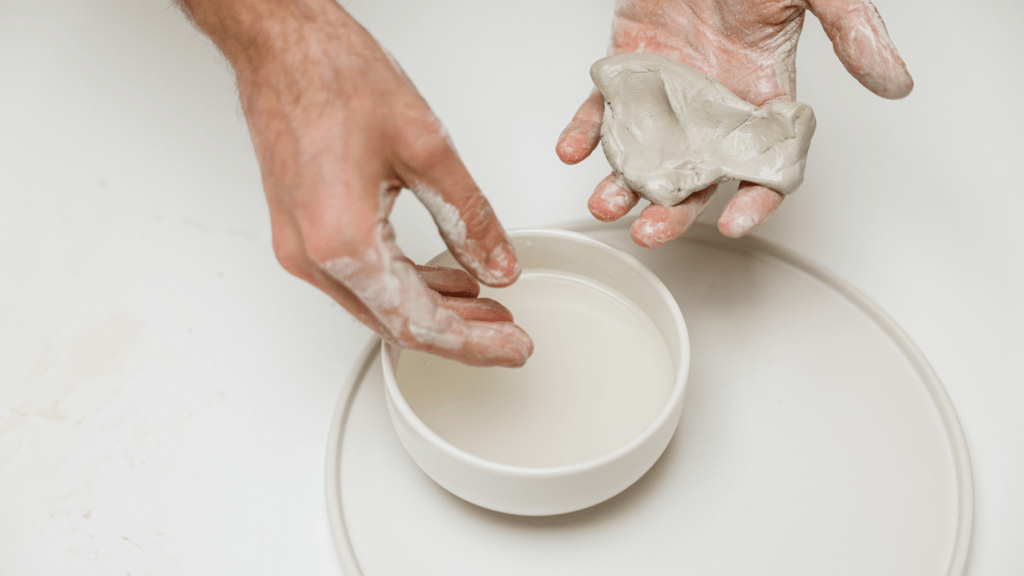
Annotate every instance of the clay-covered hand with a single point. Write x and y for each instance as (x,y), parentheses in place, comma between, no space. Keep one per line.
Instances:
(339,131)
(750,47)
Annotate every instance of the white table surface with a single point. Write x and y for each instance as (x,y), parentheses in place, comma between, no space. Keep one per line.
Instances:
(166,388)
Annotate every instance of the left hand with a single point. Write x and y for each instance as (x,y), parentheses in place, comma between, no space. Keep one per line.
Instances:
(750,47)
(339,131)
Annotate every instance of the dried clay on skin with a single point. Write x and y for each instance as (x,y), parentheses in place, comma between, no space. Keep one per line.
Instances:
(669,131)
(391,288)
(408,312)
(498,268)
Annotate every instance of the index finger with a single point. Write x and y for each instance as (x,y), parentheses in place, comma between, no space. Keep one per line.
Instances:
(430,167)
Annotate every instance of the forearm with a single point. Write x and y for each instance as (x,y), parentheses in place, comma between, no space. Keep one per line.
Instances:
(295,62)
(339,131)
(252,33)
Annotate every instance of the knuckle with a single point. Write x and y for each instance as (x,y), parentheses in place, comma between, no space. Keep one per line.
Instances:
(320,251)
(315,228)
(324,238)
(288,250)
(426,148)
(312,239)
(289,258)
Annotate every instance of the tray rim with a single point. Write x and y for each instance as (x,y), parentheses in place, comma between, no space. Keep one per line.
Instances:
(708,235)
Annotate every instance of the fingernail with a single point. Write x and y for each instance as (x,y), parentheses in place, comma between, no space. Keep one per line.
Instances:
(502,262)
(524,338)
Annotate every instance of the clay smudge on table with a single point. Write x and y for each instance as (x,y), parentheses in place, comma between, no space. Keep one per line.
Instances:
(669,131)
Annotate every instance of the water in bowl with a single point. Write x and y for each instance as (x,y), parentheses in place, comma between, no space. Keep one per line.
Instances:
(600,374)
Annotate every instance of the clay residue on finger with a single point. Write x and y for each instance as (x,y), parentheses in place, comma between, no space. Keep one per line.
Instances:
(652,233)
(581,136)
(412,315)
(498,267)
(869,54)
(750,207)
(670,131)
(611,201)
(446,215)
(391,288)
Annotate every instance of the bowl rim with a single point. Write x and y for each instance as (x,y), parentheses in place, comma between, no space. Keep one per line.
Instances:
(398,401)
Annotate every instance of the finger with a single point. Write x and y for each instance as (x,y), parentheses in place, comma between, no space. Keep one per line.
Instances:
(481,309)
(464,217)
(480,343)
(583,133)
(660,224)
(751,206)
(495,344)
(412,315)
(458,292)
(449,281)
(609,202)
(863,45)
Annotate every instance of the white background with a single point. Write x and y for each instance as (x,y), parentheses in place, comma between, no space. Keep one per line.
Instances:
(166,389)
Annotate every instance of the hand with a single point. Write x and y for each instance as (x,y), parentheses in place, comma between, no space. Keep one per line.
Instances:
(339,131)
(750,46)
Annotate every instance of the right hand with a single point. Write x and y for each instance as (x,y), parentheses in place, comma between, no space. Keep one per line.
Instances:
(750,47)
(339,131)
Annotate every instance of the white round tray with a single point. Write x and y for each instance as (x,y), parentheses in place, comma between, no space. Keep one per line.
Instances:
(815,439)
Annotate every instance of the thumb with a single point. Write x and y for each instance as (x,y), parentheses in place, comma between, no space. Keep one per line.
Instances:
(862,43)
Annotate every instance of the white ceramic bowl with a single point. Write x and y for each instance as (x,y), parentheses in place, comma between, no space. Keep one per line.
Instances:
(537,491)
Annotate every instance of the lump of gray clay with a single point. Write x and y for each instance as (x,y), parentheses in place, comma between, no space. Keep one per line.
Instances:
(669,131)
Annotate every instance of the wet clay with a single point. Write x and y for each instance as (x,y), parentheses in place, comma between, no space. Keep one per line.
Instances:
(669,131)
